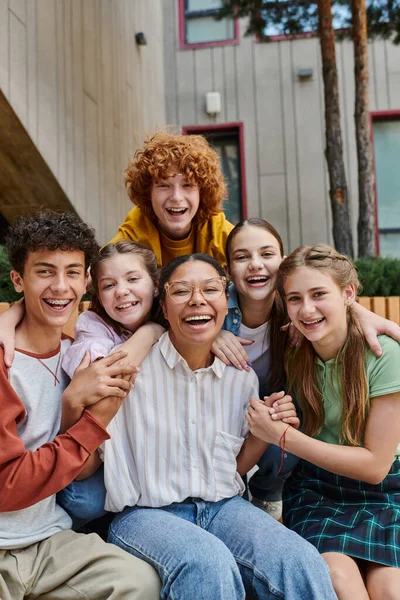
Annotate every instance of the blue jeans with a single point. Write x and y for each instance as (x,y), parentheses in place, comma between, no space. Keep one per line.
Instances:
(84,500)
(221,550)
(267,483)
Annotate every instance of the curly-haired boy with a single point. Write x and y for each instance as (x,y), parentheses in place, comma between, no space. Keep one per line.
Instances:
(39,554)
(178,187)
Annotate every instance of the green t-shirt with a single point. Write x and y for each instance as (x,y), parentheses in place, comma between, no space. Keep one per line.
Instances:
(383,377)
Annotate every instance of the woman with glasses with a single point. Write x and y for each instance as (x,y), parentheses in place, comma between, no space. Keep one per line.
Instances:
(177,448)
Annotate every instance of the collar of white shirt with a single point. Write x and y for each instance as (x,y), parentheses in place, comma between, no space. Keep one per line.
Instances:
(173,358)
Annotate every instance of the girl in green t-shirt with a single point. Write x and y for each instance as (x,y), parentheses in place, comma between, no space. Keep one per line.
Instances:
(344,496)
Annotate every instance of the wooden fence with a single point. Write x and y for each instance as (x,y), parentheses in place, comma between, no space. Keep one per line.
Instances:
(385,307)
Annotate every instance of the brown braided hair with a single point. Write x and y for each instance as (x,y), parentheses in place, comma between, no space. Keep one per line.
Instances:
(300,364)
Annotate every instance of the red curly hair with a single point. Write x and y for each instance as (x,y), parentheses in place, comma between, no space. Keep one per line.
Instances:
(165,155)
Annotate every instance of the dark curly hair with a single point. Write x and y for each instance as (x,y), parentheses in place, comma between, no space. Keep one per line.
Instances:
(47,229)
(165,155)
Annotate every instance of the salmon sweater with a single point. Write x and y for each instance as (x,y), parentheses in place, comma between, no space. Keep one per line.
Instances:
(36,462)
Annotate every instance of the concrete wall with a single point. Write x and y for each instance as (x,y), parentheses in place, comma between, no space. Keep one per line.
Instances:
(85,92)
(283,117)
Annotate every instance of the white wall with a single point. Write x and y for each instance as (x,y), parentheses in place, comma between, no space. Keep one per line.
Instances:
(85,92)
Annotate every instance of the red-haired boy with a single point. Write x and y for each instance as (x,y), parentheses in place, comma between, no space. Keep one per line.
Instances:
(178,187)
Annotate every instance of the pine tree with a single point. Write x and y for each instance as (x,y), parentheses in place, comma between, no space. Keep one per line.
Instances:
(366,208)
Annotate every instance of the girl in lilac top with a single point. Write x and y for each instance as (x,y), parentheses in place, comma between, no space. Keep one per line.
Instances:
(125,280)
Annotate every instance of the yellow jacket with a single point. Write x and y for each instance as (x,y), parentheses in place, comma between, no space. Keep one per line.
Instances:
(210,236)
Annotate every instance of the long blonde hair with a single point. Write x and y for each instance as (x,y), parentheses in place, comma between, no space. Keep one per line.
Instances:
(300,364)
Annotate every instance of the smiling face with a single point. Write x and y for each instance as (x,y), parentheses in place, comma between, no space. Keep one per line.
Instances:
(196,321)
(126,290)
(318,308)
(53,283)
(175,202)
(254,260)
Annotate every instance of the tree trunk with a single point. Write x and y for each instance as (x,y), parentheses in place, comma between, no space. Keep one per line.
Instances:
(366,217)
(338,192)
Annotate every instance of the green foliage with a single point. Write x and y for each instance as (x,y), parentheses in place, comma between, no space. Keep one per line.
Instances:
(288,17)
(384,19)
(7,292)
(379,276)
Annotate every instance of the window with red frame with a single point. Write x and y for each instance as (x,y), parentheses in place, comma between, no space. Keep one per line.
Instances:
(201,27)
(386,138)
(228,141)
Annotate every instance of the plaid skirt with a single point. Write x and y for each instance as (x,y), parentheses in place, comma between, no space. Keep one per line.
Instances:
(338,514)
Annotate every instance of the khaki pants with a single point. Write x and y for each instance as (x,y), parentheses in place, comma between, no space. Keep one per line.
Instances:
(73,566)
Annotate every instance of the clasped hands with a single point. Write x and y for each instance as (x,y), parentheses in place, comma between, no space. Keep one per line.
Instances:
(100,387)
(268,419)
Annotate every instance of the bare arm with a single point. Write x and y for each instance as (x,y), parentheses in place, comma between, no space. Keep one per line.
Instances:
(373,325)
(8,324)
(229,348)
(139,344)
(279,407)
(370,463)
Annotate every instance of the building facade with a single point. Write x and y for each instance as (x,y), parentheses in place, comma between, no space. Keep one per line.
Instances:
(269,127)
(79,91)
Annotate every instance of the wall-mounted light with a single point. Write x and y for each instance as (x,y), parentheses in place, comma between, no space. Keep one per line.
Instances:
(304,74)
(140,39)
(213,103)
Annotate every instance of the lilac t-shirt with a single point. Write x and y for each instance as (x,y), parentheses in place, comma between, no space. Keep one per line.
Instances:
(94,335)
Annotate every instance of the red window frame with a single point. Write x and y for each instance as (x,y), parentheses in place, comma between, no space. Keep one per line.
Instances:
(182,38)
(379,115)
(238,125)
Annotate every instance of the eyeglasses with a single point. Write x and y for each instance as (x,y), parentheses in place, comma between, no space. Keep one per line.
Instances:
(210,289)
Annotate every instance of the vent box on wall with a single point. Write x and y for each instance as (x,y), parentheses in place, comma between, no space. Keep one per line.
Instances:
(213,103)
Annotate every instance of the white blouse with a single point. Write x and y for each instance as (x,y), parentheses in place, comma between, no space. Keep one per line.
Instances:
(178,433)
